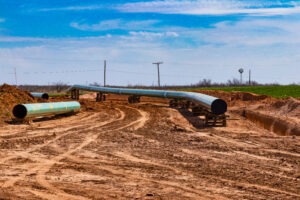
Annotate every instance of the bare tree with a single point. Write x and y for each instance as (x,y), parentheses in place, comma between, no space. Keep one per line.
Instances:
(204,83)
(233,82)
(60,86)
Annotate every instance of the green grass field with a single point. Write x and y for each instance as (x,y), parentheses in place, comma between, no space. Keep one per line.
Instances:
(274,91)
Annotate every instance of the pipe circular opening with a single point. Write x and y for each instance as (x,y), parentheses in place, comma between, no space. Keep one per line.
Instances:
(45,96)
(20,111)
(218,107)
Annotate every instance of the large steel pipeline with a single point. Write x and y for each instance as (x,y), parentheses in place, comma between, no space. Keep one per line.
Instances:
(212,104)
(22,111)
(40,95)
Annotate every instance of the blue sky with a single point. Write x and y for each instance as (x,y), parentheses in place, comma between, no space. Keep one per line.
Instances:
(68,41)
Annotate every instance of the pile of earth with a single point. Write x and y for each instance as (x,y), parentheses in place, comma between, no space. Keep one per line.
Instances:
(281,116)
(290,106)
(233,98)
(9,97)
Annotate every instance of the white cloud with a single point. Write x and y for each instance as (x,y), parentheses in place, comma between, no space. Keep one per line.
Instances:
(255,32)
(269,46)
(73,8)
(22,39)
(258,12)
(176,6)
(114,24)
(172,34)
(196,7)
(152,35)
(146,34)
(129,61)
(213,7)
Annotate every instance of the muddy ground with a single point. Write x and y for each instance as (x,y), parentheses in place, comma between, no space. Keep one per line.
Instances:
(116,150)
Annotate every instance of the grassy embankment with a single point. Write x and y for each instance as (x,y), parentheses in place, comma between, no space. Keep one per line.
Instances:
(274,91)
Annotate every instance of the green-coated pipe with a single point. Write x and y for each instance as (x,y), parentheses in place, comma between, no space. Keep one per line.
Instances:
(214,105)
(40,95)
(22,111)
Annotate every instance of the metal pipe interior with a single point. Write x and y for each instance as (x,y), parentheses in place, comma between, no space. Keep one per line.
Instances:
(219,106)
(20,111)
(45,96)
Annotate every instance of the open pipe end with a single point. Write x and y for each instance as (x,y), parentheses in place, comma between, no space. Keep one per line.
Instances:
(218,107)
(45,96)
(20,111)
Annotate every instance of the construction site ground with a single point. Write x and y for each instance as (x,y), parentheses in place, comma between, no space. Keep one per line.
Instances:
(116,150)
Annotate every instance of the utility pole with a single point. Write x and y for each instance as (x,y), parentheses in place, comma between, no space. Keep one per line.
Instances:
(158,63)
(249,76)
(104,73)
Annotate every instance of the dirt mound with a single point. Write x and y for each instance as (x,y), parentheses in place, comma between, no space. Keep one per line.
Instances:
(290,106)
(9,97)
(6,195)
(232,98)
(247,96)
(279,116)
(277,125)
(219,94)
(89,96)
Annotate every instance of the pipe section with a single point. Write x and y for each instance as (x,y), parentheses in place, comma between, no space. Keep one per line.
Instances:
(22,111)
(212,104)
(40,95)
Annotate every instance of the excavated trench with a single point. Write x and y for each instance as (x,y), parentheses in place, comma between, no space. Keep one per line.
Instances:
(274,124)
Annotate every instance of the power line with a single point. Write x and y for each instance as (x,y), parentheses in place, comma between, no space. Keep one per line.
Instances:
(107,70)
(187,64)
(59,72)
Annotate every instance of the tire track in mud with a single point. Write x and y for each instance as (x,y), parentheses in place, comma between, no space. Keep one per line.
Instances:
(53,127)
(66,132)
(262,187)
(129,157)
(60,129)
(132,176)
(244,146)
(41,174)
(244,184)
(173,184)
(97,162)
(139,123)
(41,177)
(37,132)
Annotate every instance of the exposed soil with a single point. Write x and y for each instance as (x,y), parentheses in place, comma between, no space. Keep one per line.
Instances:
(9,97)
(279,116)
(116,150)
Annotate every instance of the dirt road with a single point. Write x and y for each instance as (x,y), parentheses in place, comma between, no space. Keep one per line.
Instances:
(114,150)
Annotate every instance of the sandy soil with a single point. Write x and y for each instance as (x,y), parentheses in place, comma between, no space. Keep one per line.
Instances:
(113,150)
